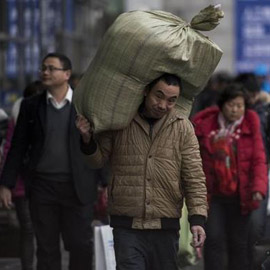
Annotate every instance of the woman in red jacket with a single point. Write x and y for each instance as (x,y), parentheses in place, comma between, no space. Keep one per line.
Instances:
(235,167)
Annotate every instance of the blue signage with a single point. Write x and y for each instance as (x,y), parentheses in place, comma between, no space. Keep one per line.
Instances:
(69,16)
(13,31)
(27,31)
(51,24)
(34,45)
(252,26)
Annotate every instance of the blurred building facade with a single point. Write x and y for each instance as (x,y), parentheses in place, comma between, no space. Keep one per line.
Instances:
(29,29)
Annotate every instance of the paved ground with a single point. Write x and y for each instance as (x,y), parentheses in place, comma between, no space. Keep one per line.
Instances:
(199,266)
(14,264)
(9,242)
(9,248)
(10,264)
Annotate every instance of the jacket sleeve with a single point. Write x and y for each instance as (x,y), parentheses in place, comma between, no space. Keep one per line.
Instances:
(259,167)
(17,151)
(207,160)
(192,175)
(99,158)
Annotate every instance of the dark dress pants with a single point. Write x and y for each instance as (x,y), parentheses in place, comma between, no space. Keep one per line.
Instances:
(145,249)
(257,225)
(56,211)
(26,233)
(226,244)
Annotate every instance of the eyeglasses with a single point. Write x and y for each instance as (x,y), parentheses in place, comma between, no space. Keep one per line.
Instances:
(50,69)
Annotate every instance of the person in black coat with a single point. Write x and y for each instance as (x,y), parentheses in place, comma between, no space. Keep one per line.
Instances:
(61,187)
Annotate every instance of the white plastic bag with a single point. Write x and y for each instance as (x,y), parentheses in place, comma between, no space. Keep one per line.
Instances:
(104,250)
(186,253)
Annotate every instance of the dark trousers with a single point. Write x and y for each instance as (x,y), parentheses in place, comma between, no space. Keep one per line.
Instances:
(56,211)
(26,233)
(145,249)
(257,226)
(226,245)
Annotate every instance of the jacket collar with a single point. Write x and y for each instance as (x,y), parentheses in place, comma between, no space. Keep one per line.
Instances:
(56,104)
(42,114)
(165,121)
(173,116)
(208,120)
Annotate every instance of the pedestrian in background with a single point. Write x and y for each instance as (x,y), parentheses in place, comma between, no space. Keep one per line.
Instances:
(18,193)
(61,191)
(155,164)
(210,94)
(236,175)
(3,130)
(259,102)
(74,80)
(261,72)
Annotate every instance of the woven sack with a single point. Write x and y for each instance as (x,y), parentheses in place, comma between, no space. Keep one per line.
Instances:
(139,47)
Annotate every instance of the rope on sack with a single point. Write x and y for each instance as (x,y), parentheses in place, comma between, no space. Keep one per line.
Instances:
(208,18)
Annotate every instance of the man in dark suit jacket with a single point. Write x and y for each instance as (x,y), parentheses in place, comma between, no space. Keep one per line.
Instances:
(61,187)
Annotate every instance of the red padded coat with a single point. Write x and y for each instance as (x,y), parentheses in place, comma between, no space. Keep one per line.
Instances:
(251,160)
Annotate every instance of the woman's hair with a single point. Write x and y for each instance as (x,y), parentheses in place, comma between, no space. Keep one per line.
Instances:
(33,88)
(233,91)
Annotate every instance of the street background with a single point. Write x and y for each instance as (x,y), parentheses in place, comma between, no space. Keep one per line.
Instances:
(29,29)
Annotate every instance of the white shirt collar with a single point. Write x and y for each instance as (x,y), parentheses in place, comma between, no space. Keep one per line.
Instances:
(59,105)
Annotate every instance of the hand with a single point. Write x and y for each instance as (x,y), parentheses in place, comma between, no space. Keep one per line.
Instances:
(198,252)
(84,127)
(5,197)
(198,239)
(257,196)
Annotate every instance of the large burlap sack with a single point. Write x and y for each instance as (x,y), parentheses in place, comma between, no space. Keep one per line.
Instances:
(139,47)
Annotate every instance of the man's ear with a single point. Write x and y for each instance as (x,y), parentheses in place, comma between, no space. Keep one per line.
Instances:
(146,91)
(68,73)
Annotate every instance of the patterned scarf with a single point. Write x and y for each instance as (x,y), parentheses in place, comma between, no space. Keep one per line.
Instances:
(226,129)
(224,156)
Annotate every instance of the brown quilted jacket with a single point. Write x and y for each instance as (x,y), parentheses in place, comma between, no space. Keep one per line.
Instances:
(153,170)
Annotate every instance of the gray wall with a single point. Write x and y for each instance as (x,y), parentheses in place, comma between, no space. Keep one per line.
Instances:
(143,4)
(223,35)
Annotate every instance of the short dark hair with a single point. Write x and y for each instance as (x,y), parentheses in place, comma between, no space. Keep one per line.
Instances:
(65,61)
(169,79)
(249,81)
(233,91)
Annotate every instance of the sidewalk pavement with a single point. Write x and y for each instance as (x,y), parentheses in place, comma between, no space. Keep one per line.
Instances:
(14,264)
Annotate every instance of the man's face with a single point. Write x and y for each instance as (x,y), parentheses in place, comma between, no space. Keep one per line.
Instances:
(52,73)
(160,99)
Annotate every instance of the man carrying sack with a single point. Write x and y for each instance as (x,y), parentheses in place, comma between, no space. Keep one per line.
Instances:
(131,113)
(155,164)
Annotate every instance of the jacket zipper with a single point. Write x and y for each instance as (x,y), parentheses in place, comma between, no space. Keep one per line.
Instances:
(151,138)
